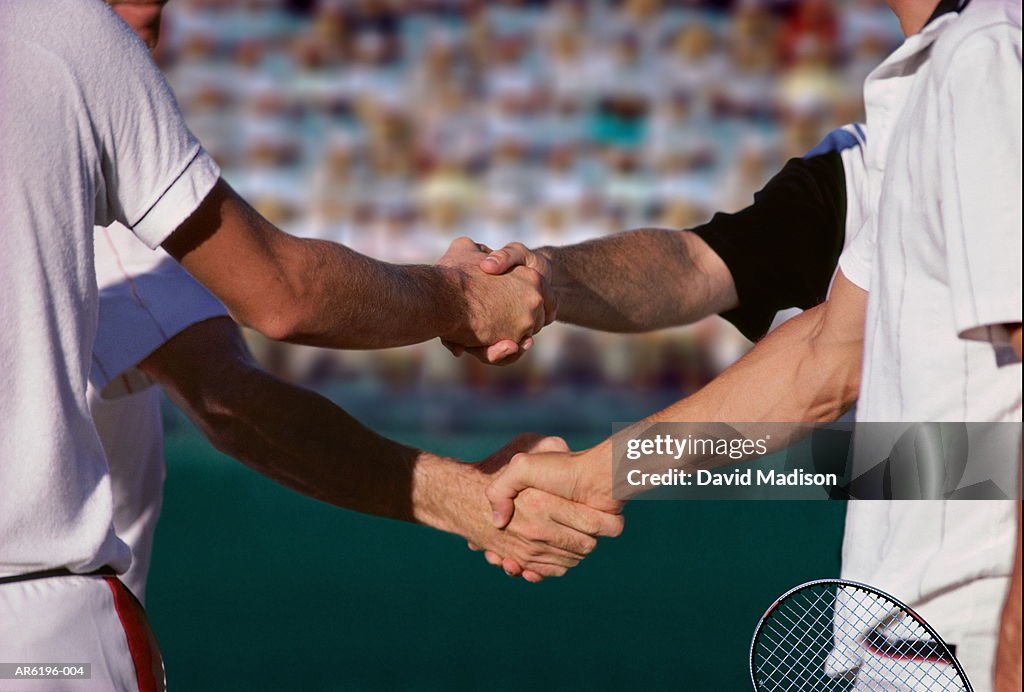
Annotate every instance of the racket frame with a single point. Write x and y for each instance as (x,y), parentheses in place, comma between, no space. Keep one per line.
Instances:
(839,583)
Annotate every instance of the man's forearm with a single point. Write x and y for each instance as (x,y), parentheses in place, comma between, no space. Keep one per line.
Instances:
(639,281)
(310,291)
(295,436)
(356,302)
(788,378)
(806,371)
(306,443)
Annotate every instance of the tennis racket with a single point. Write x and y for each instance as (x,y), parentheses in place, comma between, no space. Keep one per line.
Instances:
(832,634)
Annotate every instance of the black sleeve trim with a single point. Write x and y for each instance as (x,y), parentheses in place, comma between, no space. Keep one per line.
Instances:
(783,249)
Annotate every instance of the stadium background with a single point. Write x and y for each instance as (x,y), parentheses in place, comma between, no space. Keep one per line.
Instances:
(394,127)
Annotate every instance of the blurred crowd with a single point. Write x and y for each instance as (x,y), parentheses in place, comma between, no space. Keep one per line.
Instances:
(394,127)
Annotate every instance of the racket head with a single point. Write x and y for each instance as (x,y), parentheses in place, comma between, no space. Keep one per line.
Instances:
(876,642)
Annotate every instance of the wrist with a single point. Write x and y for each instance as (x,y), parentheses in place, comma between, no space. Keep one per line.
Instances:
(599,487)
(450,308)
(573,301)
(557,277)
(442,492)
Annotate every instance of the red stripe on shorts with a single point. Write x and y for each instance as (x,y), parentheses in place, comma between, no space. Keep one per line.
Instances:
(129,612)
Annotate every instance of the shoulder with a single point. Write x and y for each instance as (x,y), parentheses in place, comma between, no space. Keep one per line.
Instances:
(846,145)
(985,31)
(70,30)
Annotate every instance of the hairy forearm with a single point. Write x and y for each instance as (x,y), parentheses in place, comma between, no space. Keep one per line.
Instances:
(304,442)
(307,443)
(310,291)
(639,280)
(297,437)
(806,371)
(792,376)
(343,299)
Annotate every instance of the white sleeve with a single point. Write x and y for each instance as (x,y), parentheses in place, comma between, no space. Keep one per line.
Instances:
(855,170)
(153,172)
(858,255)
(145,299)
(980,169)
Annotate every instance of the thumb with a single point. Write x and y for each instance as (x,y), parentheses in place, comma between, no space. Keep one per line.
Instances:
(500,261)
(544,471)
(497,352)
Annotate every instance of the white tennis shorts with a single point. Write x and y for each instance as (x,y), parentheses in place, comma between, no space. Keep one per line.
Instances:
(75,620)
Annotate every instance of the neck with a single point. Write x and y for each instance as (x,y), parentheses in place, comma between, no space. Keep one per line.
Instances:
(913,14)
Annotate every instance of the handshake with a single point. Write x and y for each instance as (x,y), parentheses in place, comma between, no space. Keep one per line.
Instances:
(535,508)
(506,297)
(547,505)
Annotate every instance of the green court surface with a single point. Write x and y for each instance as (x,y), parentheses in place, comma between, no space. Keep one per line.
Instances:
(257,588)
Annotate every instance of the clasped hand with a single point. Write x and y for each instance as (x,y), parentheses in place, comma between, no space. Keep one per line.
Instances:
(548,507)
(507,298)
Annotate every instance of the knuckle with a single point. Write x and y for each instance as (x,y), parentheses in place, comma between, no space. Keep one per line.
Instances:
(531,502)
(554,443)
(534,534)
(575,546)
(533,552)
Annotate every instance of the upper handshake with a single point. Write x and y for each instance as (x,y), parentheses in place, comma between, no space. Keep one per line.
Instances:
(507,298)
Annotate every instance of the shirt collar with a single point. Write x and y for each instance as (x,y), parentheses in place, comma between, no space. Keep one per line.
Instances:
(944,13)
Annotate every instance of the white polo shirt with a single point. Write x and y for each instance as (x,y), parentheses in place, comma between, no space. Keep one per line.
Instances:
(941,259)
(89,135)
(145,299)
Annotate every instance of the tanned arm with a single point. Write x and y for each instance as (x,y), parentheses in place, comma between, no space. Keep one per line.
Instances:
(808,370)
(324,294)
(639,281)
(634,281)
(306,443)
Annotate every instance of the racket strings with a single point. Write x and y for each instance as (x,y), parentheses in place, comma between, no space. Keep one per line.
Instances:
(822,639)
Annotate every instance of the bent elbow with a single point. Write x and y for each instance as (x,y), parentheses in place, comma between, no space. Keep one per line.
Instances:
(280,324)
